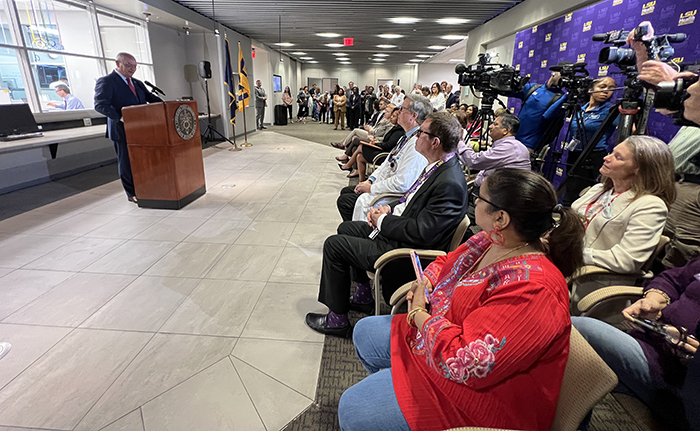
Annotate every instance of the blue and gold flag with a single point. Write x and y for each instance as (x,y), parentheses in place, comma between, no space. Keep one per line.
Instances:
(228,82)
(243,85)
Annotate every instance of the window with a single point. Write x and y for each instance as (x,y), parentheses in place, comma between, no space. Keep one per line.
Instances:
(12,87)
(78,73)
(6,36)
(121,35)
(57,26)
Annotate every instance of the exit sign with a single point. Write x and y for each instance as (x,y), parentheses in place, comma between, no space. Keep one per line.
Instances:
(348,41)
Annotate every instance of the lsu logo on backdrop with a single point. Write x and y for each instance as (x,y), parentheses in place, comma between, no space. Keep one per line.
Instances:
(581,58)
(617,2)
(562,46)
(543,64)
(534,29)
(687,17)
(648,7)
(520,44)
(603,70)
(517,67)
(528,75)
(531,53)
(548,37)
(678,60)
(568,16)
(587,25)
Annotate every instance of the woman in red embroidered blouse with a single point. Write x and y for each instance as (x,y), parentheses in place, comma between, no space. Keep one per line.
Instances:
(490,345)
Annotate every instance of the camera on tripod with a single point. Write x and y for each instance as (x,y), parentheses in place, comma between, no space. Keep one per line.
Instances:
(489,77)
(575,79)
(658,47)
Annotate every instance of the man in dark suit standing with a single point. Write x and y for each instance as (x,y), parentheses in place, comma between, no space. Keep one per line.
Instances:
(425,217)
(112,93)
(452,98)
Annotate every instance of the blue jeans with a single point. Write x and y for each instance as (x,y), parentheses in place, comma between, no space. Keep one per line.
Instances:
(371,404)
(623,354)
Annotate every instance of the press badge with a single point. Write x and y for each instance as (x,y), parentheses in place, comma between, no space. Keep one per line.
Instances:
(572,144)
(393,166)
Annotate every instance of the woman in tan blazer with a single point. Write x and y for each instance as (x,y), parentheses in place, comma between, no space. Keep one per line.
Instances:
(626,213)
(339,101)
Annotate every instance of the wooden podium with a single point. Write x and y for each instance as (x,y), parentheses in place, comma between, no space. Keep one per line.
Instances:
(165,151)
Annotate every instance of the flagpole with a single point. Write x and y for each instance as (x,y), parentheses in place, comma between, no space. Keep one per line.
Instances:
(245,126)
(235,146)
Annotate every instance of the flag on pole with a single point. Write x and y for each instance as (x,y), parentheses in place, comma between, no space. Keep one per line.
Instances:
(243,85)
(228,82)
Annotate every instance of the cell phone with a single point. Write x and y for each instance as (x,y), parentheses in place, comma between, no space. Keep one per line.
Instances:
(418,270)
(649,325)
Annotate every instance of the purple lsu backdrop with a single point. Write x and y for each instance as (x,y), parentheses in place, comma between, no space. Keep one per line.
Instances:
(568,38)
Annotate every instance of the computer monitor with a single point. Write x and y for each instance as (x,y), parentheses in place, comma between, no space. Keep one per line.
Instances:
(17,119)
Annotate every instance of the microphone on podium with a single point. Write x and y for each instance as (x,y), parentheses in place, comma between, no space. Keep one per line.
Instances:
(154,88)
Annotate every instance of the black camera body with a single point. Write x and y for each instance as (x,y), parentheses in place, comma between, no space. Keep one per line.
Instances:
(576,80)
(490,77)
(670,95)
(658,47)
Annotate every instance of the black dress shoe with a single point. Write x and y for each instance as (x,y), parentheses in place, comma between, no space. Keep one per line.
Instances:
(317,322)
(340,165)
(362,308)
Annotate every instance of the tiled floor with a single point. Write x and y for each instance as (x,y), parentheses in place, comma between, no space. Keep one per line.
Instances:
(127,319)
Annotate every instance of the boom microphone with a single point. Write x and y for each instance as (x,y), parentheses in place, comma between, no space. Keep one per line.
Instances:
(154,88)
(460,68)
(599,37)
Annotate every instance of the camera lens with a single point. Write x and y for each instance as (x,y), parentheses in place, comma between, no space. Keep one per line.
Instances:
(670,95)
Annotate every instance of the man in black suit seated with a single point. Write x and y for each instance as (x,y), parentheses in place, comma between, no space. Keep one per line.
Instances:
(425,217)
(112,93)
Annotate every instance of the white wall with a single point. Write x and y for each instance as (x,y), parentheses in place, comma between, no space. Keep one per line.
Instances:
(169,49)
(361,75)
(525,15)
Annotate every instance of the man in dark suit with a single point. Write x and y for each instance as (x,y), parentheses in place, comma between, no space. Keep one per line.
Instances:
(452,98)
(425,217)
(112,93)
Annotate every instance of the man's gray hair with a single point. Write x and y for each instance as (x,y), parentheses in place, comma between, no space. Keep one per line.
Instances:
(63,87)
(510,122)
(419,105)
(124,56)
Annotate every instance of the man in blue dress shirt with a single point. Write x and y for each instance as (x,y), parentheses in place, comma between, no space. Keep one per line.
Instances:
(70,102)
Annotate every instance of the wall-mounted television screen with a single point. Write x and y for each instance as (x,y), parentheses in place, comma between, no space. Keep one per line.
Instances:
(276,83)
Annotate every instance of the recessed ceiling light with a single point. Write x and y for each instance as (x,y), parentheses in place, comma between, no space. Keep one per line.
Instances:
(437,47)
(386,46)
(298,53)
(334,45)
(453,37)
(345,62)
(404,20)
(456,60)
(306,58)
(342,58)
(452,21)
(416,60)
(379,59)
(284,44)
(423,55)
(390,36)
(314,61)
(328,34)
(340,54)
(381,55)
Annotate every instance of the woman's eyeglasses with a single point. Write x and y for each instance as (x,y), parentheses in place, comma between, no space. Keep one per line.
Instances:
(475,196)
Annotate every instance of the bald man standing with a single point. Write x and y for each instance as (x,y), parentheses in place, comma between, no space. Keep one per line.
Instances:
(112,93)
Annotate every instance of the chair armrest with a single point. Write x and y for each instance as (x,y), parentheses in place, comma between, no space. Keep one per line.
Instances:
(379,156)
(588,270)
(400,293)
(404,252)
(384,196)
(611,292)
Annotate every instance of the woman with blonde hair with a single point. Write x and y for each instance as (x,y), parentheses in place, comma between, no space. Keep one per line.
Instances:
(626,213)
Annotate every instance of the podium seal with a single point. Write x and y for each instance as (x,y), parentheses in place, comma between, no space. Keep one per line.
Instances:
(185,122)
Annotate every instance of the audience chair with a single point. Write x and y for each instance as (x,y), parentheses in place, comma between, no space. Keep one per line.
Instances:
(587,379)
(539,159)
(378,160)
(403,253)
(596,274)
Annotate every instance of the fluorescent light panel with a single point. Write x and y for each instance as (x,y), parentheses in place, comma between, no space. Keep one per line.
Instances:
(386,46)
(453,37)
(452,21)
(437,47)
(390,36)
(404,20)
(328,34)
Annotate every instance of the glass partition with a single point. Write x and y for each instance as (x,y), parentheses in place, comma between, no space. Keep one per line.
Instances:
(12,87)
(79,74)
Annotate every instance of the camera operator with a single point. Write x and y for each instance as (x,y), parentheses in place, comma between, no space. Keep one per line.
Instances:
(594,113)
(683,223)
(537,98)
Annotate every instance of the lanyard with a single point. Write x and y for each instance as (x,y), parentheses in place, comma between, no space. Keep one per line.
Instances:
(397,149)
(599,209)
(424,177)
